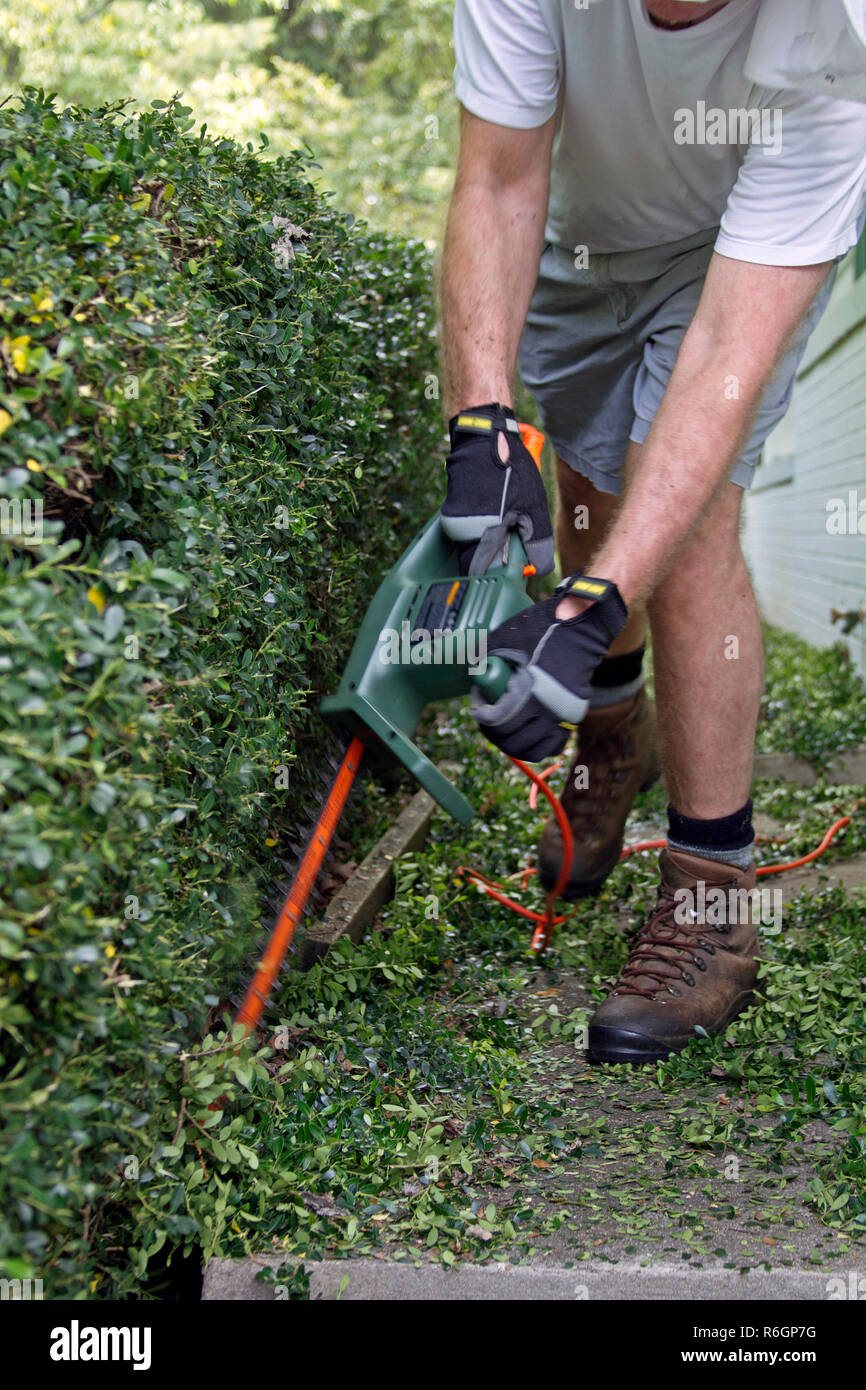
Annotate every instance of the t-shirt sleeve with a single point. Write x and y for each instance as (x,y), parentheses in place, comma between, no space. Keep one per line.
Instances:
(507,61)
(800,196)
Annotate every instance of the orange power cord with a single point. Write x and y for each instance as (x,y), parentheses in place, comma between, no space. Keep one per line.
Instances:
(545,921)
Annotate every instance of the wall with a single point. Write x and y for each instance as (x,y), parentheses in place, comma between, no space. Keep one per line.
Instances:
(816,457)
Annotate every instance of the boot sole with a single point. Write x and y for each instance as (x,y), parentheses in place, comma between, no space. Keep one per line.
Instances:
(587,888)
(613,1045)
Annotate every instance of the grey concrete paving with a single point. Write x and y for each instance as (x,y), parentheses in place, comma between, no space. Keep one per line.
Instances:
(386,1281)
(848,770)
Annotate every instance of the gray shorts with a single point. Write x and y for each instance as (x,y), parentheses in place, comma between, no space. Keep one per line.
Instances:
(599,347)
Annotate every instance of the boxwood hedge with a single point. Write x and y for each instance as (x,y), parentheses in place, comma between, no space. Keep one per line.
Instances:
(215,430)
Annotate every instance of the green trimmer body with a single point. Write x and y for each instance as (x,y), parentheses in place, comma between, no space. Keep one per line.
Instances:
(424,639)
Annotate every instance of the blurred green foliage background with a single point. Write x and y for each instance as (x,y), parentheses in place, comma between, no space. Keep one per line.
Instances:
(366,87)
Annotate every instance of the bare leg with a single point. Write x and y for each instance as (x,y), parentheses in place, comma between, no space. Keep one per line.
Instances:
(708,663)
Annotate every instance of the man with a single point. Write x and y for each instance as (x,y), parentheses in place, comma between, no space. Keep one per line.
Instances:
(656,234)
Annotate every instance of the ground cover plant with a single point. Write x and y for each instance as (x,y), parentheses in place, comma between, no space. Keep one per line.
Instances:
(814,704)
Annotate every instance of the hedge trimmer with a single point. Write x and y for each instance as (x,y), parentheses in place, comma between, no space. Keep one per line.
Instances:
(423,639)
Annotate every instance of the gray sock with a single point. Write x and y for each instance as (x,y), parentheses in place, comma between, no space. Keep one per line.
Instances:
(739,858)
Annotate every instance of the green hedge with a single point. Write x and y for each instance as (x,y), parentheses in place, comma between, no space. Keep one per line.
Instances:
(226,420)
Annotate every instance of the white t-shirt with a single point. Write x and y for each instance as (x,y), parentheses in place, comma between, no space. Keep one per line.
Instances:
(819,45)
(782,172)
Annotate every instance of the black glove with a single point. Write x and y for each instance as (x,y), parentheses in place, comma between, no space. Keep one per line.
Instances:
(554,659)
(488,498)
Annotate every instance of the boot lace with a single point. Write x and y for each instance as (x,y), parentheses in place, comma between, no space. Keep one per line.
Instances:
(664,948)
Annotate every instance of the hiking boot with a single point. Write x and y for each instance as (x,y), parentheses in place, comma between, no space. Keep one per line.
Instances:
(617,747)
(693,963)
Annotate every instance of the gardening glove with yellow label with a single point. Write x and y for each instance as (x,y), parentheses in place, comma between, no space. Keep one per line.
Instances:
(489,496)
(553,660)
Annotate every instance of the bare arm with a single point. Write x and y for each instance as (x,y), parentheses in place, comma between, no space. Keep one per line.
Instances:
(744,322)
(492,248)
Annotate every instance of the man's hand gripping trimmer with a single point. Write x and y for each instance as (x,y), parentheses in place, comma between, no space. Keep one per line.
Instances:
(423,639)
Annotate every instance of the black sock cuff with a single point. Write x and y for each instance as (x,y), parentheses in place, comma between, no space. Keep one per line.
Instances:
(618,670)
(728,832)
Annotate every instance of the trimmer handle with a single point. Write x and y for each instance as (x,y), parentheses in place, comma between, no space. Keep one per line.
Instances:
(493,680)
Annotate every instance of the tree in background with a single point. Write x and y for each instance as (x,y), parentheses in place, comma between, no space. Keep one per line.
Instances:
(366,87)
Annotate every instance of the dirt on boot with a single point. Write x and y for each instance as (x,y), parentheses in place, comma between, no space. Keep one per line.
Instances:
(616,758)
